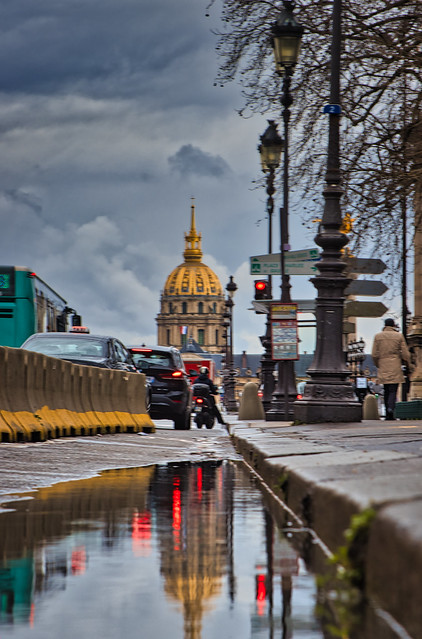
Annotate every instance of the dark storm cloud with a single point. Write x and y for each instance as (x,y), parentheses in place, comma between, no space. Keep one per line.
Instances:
(97,48)
(190,160)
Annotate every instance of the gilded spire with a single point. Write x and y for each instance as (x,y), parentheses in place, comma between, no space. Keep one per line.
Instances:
(192,252)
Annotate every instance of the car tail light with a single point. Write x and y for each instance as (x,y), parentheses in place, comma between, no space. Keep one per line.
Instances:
(199,400)
(141,350)
(300,397)
(173,375)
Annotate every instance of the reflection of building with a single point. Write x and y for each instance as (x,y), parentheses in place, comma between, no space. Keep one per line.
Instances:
(31,565)
(192,302)
(192,529)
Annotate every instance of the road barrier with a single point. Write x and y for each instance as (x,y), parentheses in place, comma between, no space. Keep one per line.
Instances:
(43,397)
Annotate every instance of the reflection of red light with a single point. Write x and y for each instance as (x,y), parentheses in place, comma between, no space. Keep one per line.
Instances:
(32,615)
(261,593)
(177,513)
(78,561)
(199,483)
(141,533)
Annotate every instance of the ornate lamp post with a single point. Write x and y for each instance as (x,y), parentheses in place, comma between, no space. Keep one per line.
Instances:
(329,396)
(286,36)
(229,394)
(270,152)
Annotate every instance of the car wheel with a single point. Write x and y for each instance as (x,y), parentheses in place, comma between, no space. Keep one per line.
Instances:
(182,422)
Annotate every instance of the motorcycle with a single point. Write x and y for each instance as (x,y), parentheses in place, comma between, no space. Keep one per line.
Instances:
(203,408)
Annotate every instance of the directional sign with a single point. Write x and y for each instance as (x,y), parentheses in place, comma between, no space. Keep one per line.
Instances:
(366,265)
(366,287)
(353,308)
(296,263)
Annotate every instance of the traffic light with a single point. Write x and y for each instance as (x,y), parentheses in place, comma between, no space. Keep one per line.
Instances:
(262,291)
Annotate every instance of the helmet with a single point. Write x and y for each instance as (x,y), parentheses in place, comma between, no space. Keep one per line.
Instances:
(204,370)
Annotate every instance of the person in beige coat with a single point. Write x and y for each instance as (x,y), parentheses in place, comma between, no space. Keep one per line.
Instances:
(389,352)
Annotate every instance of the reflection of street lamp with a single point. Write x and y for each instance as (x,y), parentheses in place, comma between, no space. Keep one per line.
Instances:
(286,37)
(270,151)
(229,394)
(329,396)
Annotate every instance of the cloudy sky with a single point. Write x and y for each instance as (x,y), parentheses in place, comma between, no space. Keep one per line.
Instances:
(109,123)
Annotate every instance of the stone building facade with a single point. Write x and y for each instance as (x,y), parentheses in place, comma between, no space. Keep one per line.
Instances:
(192,302)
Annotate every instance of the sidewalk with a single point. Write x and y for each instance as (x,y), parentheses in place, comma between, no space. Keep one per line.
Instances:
(326,473)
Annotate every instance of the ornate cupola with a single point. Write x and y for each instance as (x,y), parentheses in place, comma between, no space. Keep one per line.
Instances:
(192,302)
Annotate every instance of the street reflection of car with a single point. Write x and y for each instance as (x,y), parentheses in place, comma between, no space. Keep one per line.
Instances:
(171,387)
(79,348)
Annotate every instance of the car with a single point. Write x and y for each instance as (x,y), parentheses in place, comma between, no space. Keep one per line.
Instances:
(80,348)
(170,383)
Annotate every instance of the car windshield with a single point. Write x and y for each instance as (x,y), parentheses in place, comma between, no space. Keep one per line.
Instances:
(68,347)
(146,359)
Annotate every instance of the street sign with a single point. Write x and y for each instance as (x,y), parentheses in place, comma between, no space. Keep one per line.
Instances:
(303,306)
(296,263)
(284,336)
(354,308)
(366,287)
(332,108)
(365,265)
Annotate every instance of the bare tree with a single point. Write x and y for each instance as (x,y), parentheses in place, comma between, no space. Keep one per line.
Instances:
(381,102)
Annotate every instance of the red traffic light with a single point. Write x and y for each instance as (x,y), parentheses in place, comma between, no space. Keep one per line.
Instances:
(262,291)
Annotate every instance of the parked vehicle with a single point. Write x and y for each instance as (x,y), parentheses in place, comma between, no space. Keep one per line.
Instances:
(203,406)
(171,387)
(83,348)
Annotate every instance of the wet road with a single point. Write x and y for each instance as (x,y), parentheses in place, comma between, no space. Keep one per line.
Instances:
(26,467)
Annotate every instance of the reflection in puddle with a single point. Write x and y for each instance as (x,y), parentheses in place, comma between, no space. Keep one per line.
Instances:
(184,551)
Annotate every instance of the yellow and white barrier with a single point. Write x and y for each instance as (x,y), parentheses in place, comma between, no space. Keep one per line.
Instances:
(43,397)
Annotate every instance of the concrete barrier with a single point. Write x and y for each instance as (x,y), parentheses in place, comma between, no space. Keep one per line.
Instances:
(370,407)
(43,397)
(250,404)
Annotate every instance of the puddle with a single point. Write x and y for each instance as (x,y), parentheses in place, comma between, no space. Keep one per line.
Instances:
(185,551)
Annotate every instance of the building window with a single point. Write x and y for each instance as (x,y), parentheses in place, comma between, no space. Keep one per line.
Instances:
(184,307)
(184,339)
(171,308)
(214,307)
(168,337)
(216,337)
(200,336)
(200,307)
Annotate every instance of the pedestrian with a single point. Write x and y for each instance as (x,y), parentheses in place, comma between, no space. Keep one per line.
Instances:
(389,352)
(204,378)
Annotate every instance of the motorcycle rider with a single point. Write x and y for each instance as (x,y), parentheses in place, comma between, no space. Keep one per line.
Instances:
(204,378)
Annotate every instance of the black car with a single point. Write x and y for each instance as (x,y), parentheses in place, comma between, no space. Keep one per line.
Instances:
(80,348)
(171,387)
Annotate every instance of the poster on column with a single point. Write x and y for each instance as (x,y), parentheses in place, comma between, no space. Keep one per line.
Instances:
(284,332)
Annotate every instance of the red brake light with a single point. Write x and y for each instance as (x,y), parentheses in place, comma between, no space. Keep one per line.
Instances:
(141,350)
(299,397)
(199,400)
(177,374)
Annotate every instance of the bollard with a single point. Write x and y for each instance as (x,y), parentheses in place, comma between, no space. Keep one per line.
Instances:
(370,407)
(250,405)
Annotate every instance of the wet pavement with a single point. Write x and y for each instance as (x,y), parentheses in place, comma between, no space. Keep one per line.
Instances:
(316,476)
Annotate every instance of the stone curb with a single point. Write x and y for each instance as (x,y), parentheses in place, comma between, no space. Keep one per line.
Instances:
(326,484)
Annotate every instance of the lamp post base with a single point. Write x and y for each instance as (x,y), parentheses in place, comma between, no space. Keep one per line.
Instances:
(333,402)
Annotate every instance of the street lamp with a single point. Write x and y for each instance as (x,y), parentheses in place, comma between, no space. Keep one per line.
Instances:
(270,151)
(229,394)
(329,396)
(286,37)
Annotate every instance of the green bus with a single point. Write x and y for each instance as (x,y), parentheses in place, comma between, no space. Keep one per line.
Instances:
(28,305)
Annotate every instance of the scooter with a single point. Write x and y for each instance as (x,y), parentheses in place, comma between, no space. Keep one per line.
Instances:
(203,409)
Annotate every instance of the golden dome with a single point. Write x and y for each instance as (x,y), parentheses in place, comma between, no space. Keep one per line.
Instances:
(192,277)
